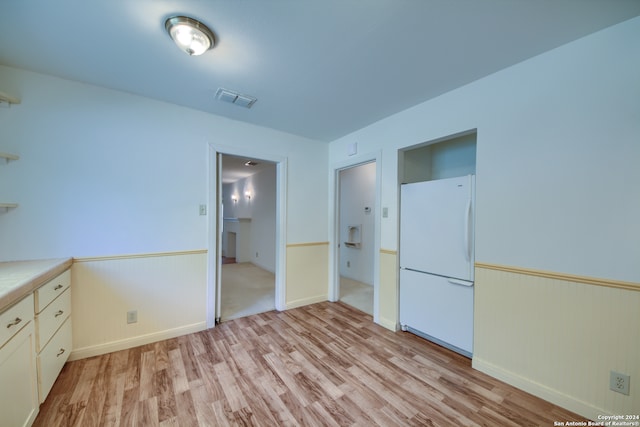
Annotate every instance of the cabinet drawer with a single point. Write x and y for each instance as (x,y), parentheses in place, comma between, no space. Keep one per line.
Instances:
(50,319)
(52,359)
(50,290)
(15,318)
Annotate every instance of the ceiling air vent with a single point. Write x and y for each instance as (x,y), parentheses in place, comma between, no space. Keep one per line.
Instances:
(232,97)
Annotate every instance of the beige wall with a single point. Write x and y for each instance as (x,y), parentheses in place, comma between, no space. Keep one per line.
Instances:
(167,290)
(307,273)
(389,289)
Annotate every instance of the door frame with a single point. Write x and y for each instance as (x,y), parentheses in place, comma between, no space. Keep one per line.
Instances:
(334,231)
(214,223)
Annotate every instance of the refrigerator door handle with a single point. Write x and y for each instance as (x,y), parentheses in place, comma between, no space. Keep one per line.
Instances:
(467,229)
(460,282)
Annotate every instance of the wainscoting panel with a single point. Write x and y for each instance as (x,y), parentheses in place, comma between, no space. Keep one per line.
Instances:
(558,339)
(389,290)
(167,290)
(307,273)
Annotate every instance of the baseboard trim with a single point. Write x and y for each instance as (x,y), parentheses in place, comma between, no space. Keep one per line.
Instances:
(590,412)
(305,301)
(97,350)
(390,324)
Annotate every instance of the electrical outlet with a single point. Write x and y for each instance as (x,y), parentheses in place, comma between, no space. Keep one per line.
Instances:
(619,382)
(348,264)
(132,316)
(256,254)
(203,209)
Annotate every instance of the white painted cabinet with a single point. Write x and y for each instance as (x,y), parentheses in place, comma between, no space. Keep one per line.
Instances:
(35,342)
(18,375)
(53,330)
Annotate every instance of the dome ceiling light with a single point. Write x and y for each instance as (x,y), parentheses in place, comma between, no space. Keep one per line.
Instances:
(190,35)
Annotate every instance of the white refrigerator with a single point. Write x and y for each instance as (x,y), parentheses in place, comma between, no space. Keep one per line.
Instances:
(437,261)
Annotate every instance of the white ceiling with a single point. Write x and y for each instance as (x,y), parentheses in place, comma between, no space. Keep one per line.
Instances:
(319,68)
(234,168)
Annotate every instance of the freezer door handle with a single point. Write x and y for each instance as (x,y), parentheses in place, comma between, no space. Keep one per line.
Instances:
(460,282)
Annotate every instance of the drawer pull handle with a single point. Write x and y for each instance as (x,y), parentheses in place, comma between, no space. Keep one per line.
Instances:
(59,313)
(60,353)
(14,322)
(57,287)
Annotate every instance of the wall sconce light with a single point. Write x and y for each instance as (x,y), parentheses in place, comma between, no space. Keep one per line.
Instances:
(234,199)
(248,195)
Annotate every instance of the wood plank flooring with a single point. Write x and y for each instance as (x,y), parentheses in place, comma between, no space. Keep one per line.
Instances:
(325,364)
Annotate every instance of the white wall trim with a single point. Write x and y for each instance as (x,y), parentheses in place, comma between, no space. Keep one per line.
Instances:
(212,254)
(334,232)
(539,390)
(139,255)
(305,301)
(390,324)
(97,350)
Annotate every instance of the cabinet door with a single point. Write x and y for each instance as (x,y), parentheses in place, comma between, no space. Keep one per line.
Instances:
(18,393)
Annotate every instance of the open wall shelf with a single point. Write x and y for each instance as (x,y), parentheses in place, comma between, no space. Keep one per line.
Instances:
(8,156)
(8,99)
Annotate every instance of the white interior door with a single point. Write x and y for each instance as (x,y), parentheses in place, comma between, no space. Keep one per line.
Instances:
(220,221)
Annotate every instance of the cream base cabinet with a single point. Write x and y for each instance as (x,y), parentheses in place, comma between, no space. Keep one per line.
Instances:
(53,330)
(18,380)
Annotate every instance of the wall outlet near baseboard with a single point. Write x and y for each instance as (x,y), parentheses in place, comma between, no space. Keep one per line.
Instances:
(619,382)
(132,316)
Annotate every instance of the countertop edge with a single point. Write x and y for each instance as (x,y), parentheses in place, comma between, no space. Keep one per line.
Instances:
(16,295)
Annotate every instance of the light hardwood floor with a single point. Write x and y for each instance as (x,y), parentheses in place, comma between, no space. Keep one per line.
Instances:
(325,364)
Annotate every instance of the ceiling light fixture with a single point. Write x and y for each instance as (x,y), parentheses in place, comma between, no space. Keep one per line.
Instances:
(190,35)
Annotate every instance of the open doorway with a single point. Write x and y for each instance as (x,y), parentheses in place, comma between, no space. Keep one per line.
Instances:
(356,230)
(248,236)
(246,227)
